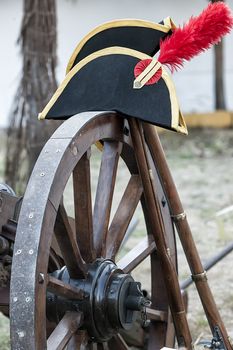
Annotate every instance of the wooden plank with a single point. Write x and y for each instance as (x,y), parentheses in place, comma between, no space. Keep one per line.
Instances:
(64,331)
(83,207)
(104,194)
(68,245)
(135,256)
(63,289)
(123,216)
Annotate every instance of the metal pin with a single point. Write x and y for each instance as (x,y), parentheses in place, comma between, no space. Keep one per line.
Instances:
(75,151)
(151,174)
(200,277)
(41,278)
(179,217)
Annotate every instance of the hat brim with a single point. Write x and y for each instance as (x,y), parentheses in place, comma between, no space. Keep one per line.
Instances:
(104,81)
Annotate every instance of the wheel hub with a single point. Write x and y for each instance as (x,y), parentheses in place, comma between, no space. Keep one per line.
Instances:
(112,299)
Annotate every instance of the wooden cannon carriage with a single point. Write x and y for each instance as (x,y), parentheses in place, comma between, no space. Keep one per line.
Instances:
(70,285)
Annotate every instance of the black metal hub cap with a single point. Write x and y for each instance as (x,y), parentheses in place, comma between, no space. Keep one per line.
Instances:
(112,300)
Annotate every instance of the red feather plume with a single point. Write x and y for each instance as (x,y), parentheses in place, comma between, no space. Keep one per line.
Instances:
(198,35)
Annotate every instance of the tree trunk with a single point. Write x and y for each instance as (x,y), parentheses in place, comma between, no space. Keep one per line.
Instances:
(219,74)
(26,135)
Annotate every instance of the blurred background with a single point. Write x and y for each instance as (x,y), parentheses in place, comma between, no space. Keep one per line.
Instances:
(37,39)
(35,35)
(75,18)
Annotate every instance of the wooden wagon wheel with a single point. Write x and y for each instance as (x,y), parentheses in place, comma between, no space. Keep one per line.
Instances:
(91,302)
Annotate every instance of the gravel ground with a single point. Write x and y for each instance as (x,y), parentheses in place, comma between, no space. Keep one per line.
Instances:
(201,165)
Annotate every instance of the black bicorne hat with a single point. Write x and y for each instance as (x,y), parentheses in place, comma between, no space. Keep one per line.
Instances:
(136,34)
(103,81)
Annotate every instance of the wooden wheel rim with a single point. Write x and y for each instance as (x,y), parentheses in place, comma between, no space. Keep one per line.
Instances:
(35,228)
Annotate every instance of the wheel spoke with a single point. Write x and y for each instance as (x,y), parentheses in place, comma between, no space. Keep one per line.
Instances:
(83,207)
(156,315)
(68,245)
(62,289)
(64,331)
(159,302)
(102,346)
(118,343)
(104,193)
(76,341)
(135,256)
(123,216)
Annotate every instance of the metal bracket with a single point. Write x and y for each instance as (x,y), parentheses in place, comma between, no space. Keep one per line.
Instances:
(200,277)
(217,343)
(179,217)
